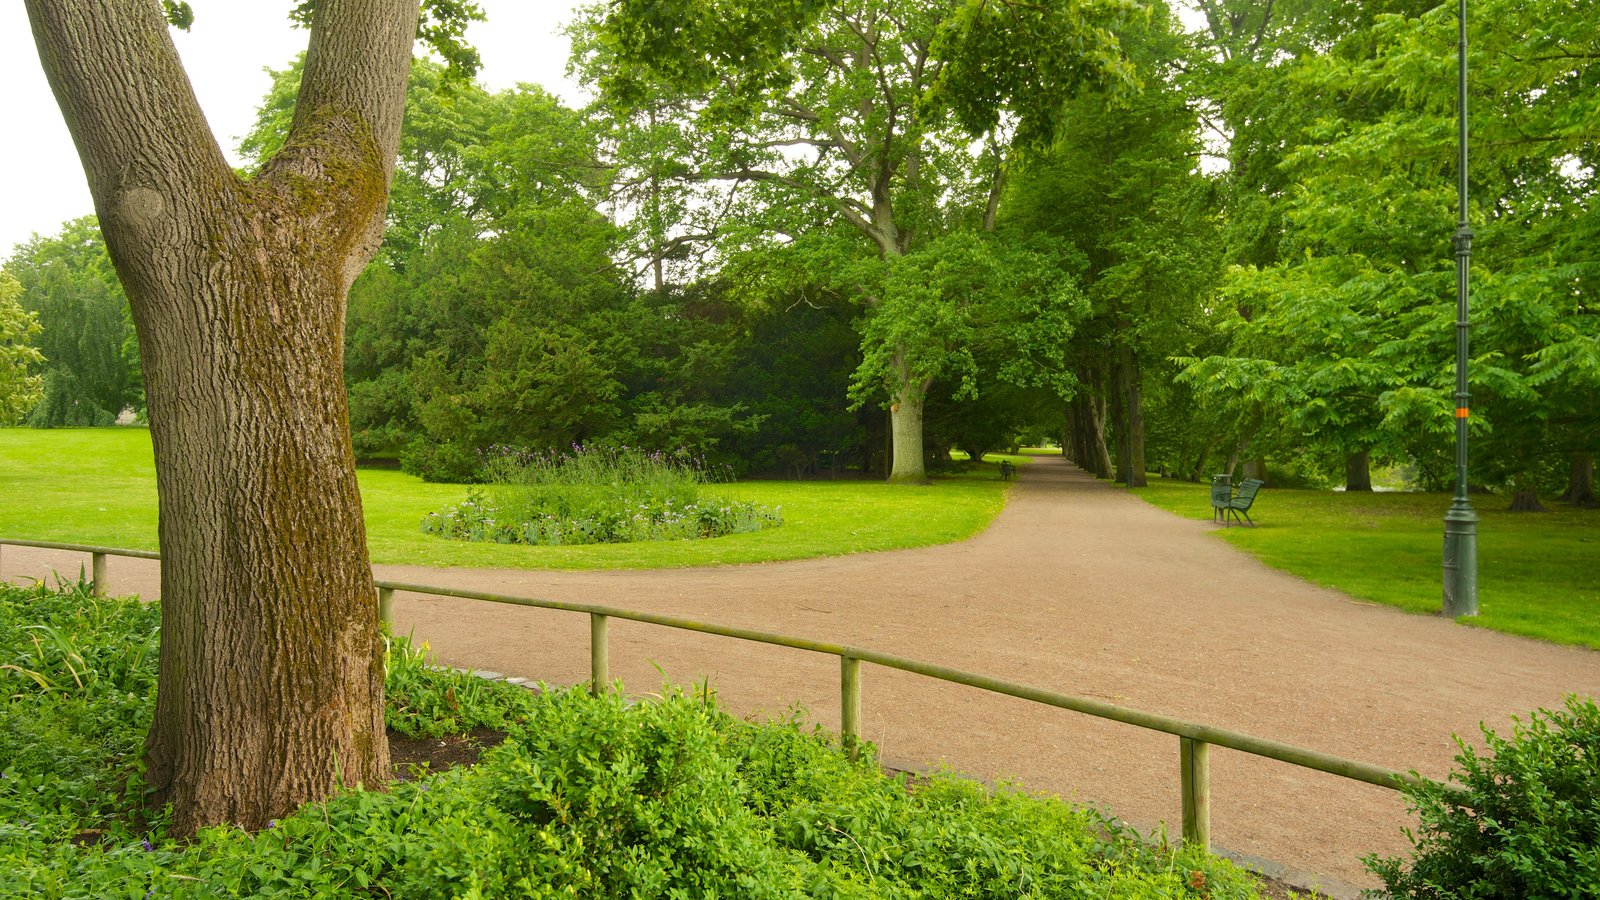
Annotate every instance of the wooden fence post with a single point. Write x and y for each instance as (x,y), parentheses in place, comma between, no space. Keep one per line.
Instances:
(1194,759)
(599,655)
(850,703)
(386,607)
(99,565)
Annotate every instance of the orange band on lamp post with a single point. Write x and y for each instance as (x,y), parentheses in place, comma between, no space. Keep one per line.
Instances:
(1463,413)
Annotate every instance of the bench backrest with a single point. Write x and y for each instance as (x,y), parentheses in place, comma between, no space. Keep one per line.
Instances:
(1247,493)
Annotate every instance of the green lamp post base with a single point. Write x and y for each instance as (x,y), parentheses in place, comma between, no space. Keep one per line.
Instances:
(1460,560)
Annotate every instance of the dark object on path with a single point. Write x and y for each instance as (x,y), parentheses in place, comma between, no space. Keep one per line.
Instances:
(1008,470)
(1240,503)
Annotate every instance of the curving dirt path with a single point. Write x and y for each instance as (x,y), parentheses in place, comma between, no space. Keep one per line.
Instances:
(1075,587)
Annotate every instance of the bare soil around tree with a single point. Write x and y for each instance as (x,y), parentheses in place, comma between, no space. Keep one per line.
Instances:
(1078,588)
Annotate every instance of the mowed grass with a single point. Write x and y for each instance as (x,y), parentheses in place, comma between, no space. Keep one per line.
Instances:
(1538,573)
(97,486)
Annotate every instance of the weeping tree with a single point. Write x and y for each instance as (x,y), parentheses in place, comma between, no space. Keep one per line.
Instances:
(271,677)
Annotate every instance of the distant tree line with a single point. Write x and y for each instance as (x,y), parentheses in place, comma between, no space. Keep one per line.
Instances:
(1198,251)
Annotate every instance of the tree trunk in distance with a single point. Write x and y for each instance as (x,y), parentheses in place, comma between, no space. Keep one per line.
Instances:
(1580,481)
(1525,495)
(1100,453)
(1133,399)
(905,421)
(1358,472)
(271,673)
(1082,433)
(1199,471)
(1256,468)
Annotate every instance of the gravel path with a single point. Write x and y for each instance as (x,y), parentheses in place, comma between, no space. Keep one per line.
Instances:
(1075,587)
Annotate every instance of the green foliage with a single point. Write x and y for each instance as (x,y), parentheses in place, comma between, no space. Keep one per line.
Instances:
(589,796)
(1536,573)
(1024,60)
(1527,825)
(441,27)
(596,495)
(840,136)
(77,681)
(1343,326)
(692,44)
(179,14)
(19,388)
(422,699)
(962,297)
(90,370)
(1119,197)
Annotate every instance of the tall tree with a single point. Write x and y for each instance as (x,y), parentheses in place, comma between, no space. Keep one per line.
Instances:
(861,112)
(1356,321)
(1122,187)
(271,683)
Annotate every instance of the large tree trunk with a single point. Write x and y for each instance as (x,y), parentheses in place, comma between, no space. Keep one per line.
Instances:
(905,419)
(1580,481)
(1358,472)
(271,680)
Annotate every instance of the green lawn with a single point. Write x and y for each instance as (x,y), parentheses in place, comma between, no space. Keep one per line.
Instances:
(97,486)
(1538,573)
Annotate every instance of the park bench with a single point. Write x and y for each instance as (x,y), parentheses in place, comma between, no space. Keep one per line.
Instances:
(1238,503)
(1008,470)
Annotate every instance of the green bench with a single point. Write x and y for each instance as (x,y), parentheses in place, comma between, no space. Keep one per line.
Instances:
(1225,506)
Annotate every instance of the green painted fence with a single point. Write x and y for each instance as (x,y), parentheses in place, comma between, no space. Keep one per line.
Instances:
(1194,740)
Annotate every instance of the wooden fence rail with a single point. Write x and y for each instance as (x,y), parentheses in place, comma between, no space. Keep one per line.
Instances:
(1194,740)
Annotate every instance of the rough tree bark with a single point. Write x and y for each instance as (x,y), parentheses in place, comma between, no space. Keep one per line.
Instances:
(271,680)
(1358,472)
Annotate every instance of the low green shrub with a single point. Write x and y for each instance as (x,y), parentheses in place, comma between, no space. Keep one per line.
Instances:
(595,495)
(595,797)
(1527,825)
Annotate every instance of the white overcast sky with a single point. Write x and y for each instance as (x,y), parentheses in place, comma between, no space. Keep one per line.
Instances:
(225,52)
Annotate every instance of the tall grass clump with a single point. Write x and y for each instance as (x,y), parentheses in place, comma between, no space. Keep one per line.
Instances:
(596,495)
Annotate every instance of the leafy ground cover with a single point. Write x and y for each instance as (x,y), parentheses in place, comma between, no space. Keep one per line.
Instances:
(1537,572)
(97,486)
(586,796)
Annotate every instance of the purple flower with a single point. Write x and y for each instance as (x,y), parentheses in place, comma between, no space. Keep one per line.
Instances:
(147,845)
(272,823)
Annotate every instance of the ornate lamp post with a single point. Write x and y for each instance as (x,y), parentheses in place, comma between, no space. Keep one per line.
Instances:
(1460,522)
